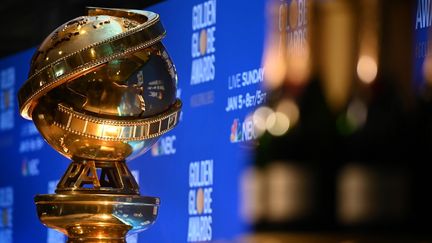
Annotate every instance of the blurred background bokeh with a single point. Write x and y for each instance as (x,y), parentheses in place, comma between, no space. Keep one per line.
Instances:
(340,151)
(346,135)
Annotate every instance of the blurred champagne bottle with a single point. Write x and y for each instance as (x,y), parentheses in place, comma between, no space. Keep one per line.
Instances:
(339,134)
(308,83)
(422,209)
(379,129)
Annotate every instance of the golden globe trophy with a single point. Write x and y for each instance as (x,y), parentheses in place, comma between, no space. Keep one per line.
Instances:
(101,88)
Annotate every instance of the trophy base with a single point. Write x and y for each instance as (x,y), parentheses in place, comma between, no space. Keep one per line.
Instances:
(97,218)
(96,241)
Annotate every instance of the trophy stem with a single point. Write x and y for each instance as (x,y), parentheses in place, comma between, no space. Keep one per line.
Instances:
(98,176)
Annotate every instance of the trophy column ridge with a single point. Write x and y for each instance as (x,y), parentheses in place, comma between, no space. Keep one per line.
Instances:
(96,176)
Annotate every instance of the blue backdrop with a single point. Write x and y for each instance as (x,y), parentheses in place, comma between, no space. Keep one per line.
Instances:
(211,43)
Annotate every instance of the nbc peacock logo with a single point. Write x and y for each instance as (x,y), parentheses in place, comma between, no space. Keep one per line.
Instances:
(165,146)
(242,131)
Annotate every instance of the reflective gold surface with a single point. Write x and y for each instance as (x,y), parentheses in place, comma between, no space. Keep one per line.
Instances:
(101,89)
(97,218)
(85,44)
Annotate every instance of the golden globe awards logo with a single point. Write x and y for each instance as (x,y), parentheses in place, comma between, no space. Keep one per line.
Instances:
(423,14)
(7,92)
(203,42)
(422,22)
(293,22)
(200,201)
(6,211)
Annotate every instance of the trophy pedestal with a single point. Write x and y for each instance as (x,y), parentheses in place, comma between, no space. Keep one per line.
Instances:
(97,201)
(97,218)
(101,89)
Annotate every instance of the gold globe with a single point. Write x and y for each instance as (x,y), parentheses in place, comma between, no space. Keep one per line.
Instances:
(95,109)
(101,89)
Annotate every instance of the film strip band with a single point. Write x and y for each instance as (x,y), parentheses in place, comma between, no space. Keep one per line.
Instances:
(117,130)
(90,57)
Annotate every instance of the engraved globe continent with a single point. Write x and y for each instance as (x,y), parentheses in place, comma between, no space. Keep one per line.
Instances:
(100,90)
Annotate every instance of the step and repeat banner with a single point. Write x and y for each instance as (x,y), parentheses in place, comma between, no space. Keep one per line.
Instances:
(197,168)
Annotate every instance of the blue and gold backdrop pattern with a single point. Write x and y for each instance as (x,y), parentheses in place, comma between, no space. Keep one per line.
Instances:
(196,169)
